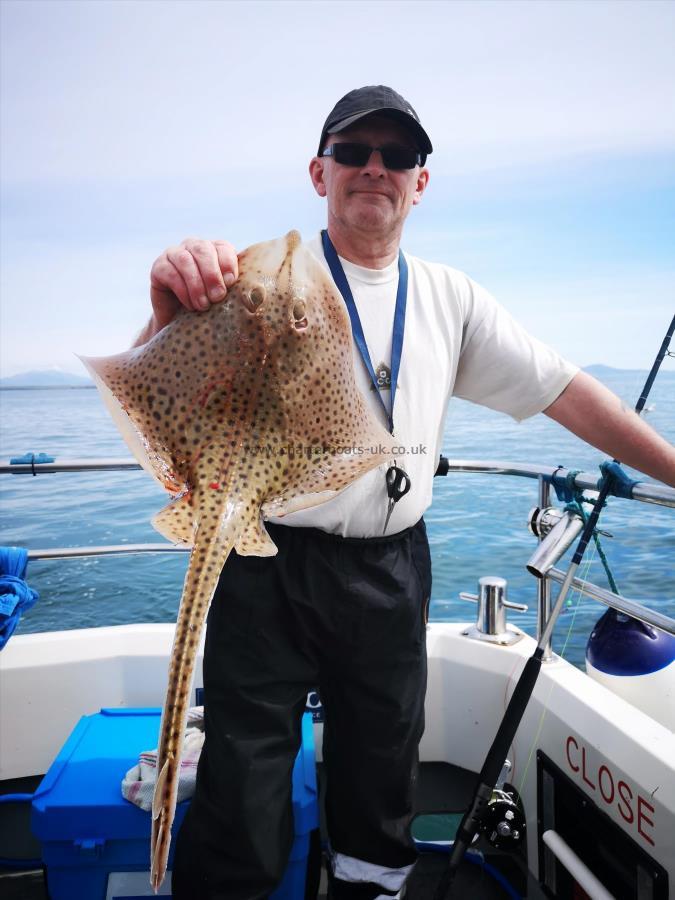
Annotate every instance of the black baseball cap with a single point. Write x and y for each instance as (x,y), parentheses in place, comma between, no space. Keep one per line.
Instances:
(366,101)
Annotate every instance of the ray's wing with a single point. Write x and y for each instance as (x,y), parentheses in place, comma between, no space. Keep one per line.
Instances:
(159,464)
(171,396)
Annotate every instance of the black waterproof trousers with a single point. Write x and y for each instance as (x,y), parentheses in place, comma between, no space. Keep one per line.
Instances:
(344,615)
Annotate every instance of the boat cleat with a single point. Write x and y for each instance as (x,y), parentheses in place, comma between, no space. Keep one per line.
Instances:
(491,623)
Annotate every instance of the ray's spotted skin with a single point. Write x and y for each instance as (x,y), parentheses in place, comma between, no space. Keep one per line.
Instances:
(211,407)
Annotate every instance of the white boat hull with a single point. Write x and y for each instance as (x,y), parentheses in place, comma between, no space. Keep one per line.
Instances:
(621,758)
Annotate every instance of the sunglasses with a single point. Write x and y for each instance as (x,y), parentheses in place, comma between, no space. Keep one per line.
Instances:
(394,156)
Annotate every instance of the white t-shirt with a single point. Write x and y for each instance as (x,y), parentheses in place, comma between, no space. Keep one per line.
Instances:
(458,341)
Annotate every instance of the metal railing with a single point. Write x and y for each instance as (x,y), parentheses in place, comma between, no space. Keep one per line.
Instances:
(631,608)
(106,550)
(112,464)
(644,492)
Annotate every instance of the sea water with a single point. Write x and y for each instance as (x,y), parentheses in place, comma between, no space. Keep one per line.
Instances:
(476,524)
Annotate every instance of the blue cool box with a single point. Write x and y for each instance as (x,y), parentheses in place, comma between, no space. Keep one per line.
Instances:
(96,845)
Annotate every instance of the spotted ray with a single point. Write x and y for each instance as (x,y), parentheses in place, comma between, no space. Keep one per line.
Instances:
(238,412)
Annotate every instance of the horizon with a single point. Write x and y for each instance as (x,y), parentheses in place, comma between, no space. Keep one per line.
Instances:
(552,177)
(60,371)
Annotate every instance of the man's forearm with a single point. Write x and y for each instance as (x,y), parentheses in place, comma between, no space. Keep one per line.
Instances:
(590,410)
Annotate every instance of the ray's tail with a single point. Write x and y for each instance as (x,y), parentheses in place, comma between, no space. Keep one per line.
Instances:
(206,561)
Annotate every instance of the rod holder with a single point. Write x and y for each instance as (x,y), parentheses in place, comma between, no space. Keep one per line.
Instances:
(557,530)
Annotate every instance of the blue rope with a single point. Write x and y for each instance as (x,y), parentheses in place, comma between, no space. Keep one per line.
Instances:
(598,544)
(622,484)
(567,492)
(563,485)
(475,859)
(15,595)
(574,504)
(16,798)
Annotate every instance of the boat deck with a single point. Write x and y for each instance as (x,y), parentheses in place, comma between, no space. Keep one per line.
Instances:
(471,883)
(441,787)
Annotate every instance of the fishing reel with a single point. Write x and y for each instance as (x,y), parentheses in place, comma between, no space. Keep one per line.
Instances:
(504,822)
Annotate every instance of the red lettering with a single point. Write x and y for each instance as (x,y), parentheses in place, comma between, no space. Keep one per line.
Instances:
(583,769)
(641,817)
(628,815)
(613,791)
(611,784)
(570,740)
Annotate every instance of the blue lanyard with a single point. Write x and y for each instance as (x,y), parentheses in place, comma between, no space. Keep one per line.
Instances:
(340,279)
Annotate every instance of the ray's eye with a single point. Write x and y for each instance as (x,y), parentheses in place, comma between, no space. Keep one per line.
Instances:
(254,298)
(300,319)
(298,310)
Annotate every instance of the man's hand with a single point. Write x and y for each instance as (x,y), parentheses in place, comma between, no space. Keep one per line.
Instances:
(194,274)
(590,410)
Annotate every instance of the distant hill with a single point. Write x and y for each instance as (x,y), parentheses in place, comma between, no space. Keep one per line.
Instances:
(57,378)
(598,370)
(49,378)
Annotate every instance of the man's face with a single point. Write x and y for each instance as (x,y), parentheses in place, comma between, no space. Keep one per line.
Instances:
(369,198)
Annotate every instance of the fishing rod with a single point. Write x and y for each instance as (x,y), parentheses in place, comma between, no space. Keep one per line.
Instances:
(476,813)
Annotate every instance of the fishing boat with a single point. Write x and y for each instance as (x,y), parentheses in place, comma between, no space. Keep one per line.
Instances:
(584,805)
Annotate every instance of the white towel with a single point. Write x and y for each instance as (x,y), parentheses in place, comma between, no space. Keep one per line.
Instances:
(138,784)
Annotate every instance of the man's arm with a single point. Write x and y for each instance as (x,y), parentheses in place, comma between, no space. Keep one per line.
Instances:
(590,410)
(194,274)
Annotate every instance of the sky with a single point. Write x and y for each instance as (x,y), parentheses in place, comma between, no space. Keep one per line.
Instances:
(127,126)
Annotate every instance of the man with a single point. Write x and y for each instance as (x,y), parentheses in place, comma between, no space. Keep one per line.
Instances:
(343,605)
